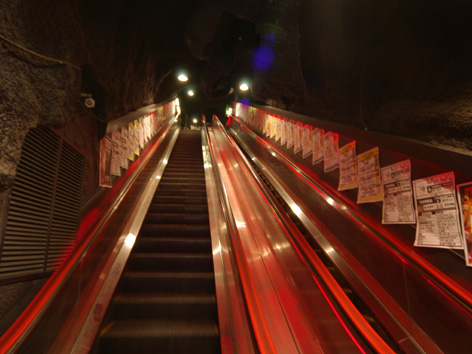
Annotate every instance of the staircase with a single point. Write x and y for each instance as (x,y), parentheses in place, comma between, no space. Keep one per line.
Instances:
(165,302)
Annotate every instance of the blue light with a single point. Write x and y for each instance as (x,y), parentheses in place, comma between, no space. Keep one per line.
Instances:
(263,58)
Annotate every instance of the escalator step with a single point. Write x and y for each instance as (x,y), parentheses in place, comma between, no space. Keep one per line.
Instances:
(181,192)
(166,262)
(169,230)
(170,199)
(163,336)
(172,244)
(177,218)
(192,307)
(186,184)
(169,282)
(179,208)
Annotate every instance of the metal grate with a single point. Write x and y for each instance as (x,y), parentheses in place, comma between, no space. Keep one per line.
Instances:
(44,207)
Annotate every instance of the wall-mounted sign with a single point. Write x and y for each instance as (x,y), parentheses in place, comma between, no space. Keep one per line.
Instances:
(398,194)
(368,177)
(347,167)
(437,213)
(318,146)
(331,151)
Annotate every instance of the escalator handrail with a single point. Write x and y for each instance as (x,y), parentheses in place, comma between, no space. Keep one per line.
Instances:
(461,295)
(357,319)
(260,328)
(25,323)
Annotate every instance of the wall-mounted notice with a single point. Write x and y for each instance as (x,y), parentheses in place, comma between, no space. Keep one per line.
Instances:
(131,141)
(283,131)
(347,167)
(318,145)
(140,132)
(436,212)
(272,127)
(398,194)
(368,177)
(307,141)
(331,151)
(297,145)
(106,147)
(124,147)
(116,153)
(464,195)
(277,121)
(290,133)
(265,129)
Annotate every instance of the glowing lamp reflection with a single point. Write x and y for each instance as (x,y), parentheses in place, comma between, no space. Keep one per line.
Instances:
(129,240)
(330,201)
(296,209)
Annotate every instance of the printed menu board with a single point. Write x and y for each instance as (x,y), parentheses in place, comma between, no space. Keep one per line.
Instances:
(318,145)
(307,141)
(283,131)
(297,146)
(116,153)
(290,133)
(398,194)
(347,167)
(106,146)
(464,195)
(331,151)
(436,212)
(368,177)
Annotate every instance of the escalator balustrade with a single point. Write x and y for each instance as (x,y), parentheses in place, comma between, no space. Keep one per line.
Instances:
(165,301)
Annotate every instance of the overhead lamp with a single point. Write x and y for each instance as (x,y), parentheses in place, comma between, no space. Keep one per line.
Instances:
(195,121)
(190,93)
(244,86)
(182,78)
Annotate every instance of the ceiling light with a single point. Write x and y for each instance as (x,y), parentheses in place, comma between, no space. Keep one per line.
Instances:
(190,93)
(182,77)
(244,87)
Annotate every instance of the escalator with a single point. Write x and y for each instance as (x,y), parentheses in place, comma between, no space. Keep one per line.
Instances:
(165,300)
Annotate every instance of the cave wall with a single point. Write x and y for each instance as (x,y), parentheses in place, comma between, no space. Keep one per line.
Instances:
(401,67)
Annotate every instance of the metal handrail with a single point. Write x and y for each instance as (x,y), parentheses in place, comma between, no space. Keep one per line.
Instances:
(456,291)
(301,244)
(261,331)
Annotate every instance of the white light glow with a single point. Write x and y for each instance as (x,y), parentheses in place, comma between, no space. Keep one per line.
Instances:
(296,209)
(129,240)
(244,87)
(158,177)
(240,224)
(164,162)
(330,201)
(182,78)
(195,121)
(229,111)
(190,93)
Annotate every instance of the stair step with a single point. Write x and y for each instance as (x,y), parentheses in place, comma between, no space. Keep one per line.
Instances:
(168,230)
(192,307)
(169,282)
(165,262)
(179,208)
(173,199)
(164,336)
(177,218)
(162,192)
(172,244)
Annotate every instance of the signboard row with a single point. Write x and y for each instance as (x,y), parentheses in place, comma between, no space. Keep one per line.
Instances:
(430,203)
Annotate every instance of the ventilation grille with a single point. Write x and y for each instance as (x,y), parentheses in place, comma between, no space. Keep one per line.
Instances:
(44,207)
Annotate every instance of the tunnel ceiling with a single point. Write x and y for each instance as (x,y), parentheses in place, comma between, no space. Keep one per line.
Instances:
(402,67)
